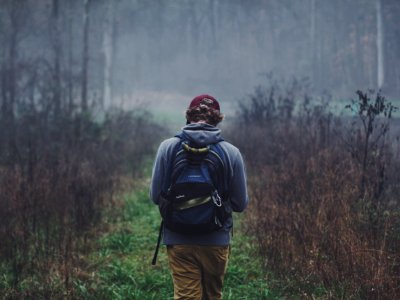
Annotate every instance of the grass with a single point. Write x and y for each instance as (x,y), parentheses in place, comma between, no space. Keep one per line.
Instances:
(120,266)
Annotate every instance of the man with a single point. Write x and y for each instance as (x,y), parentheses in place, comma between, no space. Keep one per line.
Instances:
(198,261)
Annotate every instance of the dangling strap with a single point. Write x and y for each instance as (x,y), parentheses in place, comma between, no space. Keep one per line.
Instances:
(158,244)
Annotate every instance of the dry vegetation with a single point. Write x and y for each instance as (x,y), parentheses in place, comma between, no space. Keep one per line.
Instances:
(55,185)
(62,152)
(324,190)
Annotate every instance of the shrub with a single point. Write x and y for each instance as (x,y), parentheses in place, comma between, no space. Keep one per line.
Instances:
(324,205)
(55,188)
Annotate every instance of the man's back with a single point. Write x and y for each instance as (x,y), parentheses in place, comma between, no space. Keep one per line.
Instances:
(198,261)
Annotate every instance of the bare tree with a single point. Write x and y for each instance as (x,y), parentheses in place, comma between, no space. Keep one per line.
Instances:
(379,44)
(85,55)
(108,50)
(56,37)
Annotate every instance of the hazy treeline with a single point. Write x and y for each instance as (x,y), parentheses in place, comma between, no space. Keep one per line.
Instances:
(125,47)
(61,155)
(324,190)
(223,45)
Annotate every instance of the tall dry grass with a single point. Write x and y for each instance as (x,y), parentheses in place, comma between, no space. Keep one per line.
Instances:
(324,192)
(55,189)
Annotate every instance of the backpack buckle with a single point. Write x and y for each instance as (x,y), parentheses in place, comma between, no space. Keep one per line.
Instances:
(216,199)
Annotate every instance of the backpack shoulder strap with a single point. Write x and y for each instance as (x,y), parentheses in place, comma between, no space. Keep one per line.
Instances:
(219,155)
(167,181)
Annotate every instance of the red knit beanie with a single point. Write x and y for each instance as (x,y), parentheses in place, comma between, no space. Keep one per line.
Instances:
(205,99)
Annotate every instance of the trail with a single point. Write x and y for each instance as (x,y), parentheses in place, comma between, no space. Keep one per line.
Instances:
(121,264)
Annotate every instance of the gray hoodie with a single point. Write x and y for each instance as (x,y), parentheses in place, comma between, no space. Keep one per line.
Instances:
(203,134)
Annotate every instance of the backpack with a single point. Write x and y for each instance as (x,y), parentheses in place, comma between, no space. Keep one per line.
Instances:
(195,201)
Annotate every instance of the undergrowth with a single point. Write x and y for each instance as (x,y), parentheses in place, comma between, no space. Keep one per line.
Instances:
(324,192)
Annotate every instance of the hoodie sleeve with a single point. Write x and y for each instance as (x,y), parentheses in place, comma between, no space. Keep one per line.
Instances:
(158,173)
(238,185)
(160,168)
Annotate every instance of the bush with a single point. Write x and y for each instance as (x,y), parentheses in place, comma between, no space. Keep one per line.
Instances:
(55,186)
(324,205)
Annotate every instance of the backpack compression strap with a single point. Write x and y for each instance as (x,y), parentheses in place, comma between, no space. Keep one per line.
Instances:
(195,150)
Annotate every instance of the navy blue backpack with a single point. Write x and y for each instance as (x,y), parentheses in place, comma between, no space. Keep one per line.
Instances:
(195,200)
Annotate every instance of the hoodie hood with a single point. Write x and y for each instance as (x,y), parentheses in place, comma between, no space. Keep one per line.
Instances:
(202,134)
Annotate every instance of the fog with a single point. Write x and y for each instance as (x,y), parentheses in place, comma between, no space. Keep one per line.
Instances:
(77,147)
(162,53)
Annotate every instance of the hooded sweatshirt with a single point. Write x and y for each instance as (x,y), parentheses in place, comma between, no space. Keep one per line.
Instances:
(202,134)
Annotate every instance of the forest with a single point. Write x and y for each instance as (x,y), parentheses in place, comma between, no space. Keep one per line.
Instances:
(310,91)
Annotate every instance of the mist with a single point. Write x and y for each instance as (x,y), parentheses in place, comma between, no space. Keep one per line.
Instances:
(310,90)
(163,53)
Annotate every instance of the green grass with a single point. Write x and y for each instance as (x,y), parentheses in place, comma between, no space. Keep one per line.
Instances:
(245,278)
(121,264)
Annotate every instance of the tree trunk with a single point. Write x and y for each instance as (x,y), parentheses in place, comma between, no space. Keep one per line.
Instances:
(272,29)
(11,81)
(212,13)
(85,56)
(379,44)
(57,57)
(312,34)
(194,32)
(108,53)
(70,59)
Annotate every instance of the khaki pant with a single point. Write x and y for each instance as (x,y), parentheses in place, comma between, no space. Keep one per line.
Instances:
(198,271)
